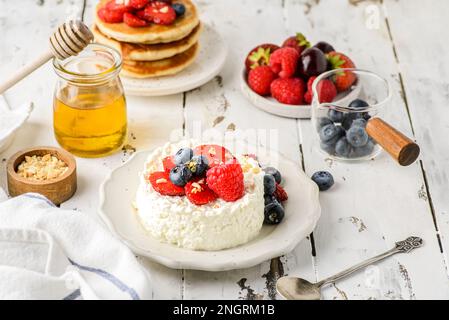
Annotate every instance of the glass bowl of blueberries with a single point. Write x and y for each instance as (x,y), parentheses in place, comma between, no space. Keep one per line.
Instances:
(341,123)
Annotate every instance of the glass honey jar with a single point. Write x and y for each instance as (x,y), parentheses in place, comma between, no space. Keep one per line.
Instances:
(89,109)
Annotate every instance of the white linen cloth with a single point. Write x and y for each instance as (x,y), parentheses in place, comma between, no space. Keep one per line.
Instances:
(50,253)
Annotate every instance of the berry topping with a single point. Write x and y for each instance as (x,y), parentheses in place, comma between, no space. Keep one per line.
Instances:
(345,79)
(198,192)
(179,8)
(323,179)
(312,62)
(269,184)
(168,164)
(180,175)
(198,165)
(215,154)
(110,16)
(260,56)
(298,42)
(183,155)
(116,6)
(260,79)
(226,180)
(134,21)
(138,4)
(160,13)
(274,213)
(274,172)
(324,47)
(284,62)
(269,198)
(288,91)
(162,184)
(280,193)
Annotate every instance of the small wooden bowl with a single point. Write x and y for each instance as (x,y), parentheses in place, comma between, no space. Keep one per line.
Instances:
(57,190)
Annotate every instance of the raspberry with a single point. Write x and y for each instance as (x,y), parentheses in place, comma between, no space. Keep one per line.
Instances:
(160,13)
(110,16)
(284,62)
(198,192)
(288,91)
(226,180)
(215,154)
(162,184)
(280,193)
(260,79)
(138,4)
(134,21)
(168,164)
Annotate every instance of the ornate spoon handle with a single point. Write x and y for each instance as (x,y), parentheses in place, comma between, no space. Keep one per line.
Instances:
(404,246)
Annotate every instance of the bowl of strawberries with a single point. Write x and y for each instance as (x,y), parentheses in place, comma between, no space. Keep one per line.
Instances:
(278,79)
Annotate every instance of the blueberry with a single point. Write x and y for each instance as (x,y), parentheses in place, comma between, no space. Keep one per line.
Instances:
(323,179)
(269,198)
(183,156)
(343,148)
(336,116)
(359,123)
(274,213)
(180,175)
(358,104)
(328,132)
(198,165)
(357,136)
(321,122)
(329,148)
(362,151)
(179,8)
(274,172)
(269,184)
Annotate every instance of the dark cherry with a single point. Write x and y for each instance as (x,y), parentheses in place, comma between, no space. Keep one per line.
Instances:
(313,62)
(324,46)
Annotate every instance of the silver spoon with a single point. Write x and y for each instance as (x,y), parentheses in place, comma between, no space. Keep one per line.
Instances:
(292,288)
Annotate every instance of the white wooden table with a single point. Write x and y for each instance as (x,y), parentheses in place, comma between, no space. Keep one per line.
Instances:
(372,205)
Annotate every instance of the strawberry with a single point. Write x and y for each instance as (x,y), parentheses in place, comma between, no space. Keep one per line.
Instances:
(116,6)
(168,164)
(284,62)
(160,13)
(308,97)
(226,180)
(288,91)
(280,194)
(141,14)
(138,4)
(298,42)
(134,21)
(110,16)
(215,154)
(310,83)
(326,91)
(345,79)
(260,79)
(198,192)
(260,56)
(162,184)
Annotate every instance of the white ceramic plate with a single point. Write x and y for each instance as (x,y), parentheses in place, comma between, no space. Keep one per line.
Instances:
(11,120)
(210,60)
(302,213)
(270,105)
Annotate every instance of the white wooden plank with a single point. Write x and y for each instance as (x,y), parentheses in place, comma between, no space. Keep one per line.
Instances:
(424,71)
(373,203)
(221,106)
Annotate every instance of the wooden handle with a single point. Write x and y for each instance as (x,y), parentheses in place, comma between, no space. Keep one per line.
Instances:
(68,40)
(400,147)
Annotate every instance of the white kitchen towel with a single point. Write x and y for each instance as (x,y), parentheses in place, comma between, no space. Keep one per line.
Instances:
(50,253)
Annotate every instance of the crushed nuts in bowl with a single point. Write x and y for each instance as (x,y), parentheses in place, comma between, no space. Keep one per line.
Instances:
(40,168)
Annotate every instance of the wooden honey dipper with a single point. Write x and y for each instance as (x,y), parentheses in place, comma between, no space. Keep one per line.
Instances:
(400,147)
(68,40)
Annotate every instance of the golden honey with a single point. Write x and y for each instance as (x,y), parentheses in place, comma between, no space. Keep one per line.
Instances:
(89,109)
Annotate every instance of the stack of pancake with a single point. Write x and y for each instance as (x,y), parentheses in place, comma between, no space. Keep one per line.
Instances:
(156,50)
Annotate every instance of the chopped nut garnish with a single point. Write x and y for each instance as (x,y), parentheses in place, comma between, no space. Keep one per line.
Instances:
(161,180)
(256,170)
(212,151)
(42,168)
(196,187)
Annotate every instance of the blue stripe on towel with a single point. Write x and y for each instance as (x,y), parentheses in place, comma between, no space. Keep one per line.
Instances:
(39,197)
(111,278)
(73,296)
